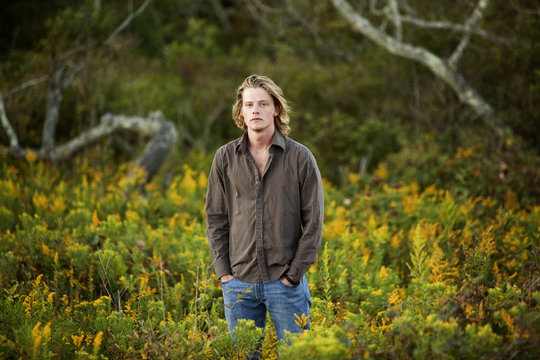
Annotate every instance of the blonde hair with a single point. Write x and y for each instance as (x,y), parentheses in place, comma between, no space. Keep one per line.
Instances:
(281,121)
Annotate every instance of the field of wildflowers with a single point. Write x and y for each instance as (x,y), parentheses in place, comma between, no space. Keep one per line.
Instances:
(92,269)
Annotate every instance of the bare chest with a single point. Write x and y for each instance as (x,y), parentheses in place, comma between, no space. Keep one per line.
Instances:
(260,158)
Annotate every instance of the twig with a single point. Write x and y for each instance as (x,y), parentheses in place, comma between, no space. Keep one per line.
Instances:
(27,84)
(126,22)
(396,19)
(469,24)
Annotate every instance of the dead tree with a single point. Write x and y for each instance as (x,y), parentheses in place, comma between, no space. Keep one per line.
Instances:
(63,70)
(399,14)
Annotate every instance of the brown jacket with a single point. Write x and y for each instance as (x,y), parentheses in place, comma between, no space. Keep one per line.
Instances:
(262,228)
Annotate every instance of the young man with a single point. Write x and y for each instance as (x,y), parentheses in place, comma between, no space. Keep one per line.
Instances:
(264,209)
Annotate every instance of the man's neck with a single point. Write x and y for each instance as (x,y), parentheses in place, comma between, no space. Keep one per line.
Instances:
(260,140)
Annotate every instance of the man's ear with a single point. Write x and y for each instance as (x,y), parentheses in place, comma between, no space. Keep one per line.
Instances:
(278,109)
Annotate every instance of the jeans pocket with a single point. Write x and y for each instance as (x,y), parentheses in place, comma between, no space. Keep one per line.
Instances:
(288,286)
(227,282)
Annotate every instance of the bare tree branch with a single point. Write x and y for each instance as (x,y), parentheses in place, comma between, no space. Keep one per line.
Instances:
(221,14)
(126,22)
(157,149)
(254,7)
(265,8)
(445,25)
(110,124)
(163,132)
(52,113)
(27,84)
(13,140)
(521,9)
(396,19)
(373,8)
(436,64)
(307,24)
(469,24)
(211,119)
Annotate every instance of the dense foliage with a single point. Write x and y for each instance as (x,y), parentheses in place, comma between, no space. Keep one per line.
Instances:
(431,241)
(90,268)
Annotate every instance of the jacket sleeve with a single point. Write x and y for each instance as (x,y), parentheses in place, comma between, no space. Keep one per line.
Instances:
(312,208)
(217,217)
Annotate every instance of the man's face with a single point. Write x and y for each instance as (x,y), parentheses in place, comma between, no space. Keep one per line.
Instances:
(258,109)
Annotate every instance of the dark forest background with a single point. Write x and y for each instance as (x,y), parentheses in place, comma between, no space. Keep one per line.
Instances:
(354,104)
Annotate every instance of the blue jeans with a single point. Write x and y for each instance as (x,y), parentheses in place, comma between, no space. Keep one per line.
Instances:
(250,301)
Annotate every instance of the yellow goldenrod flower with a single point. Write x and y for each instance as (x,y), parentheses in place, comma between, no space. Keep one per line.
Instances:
(95,219)
(381,171)
(46,331)
(31,156)
(58,205)
(36,329)
(40,201)
(508,320)
(97,341)
(45,249)
(132,215)
(77,340)
(353,178)
(202,181)
(36,336)
(383,273)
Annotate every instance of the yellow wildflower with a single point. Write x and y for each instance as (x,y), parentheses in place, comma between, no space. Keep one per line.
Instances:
(46,332)
(40,201)
(97,341)
(383,273)
(508,320)
(77,340)
(38,280)
(202,181)
(45,249)
(58,205)
(95,219)
(301,321)
(381,171)
(353,178)
(395,241)
(35,335)
(31,156)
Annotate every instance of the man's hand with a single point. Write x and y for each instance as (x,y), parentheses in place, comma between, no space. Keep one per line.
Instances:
(226,278)
(285,281)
